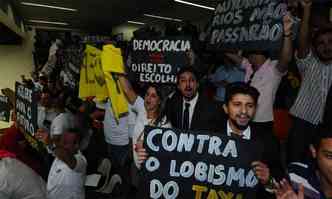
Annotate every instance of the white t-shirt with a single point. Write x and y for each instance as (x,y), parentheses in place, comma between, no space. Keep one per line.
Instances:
(116,133)
(141,122)
(266,80)
(66,183)
(18,181)
(61,123)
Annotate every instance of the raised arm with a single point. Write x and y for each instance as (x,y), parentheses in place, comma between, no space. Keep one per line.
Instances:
(304,44)
(127,89)
(237,59)
(286,53)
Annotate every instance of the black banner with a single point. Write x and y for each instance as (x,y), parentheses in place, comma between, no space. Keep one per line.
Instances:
(4,108)
(26,113)
(158,60)
(247,24)
(186,164)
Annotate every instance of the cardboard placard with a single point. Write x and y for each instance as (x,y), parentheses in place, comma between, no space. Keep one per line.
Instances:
(4,108)
(247,24)
(158,60)
(191,164)
(26,113)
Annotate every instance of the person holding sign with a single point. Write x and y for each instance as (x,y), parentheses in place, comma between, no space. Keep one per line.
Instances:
(265,74)
(188,109)
(314,61)
(240,106)
(149,110)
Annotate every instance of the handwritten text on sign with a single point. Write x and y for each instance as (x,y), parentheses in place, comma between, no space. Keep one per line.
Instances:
(196,165)
(158,60)
(243,23)
(26,113)
(4,108)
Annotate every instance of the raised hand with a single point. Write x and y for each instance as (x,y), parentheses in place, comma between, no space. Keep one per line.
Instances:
(262,172)
(283,190)
(288,24)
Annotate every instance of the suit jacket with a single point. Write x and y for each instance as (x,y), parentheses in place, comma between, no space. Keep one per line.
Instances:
(206,116)
(270,147)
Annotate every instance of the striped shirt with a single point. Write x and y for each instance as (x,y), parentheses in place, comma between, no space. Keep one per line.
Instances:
(316,81)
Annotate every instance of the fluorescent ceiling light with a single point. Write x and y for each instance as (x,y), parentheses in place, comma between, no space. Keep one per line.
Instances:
(47,6)
(160,17)
(49,22)
(136,22)
(194,4)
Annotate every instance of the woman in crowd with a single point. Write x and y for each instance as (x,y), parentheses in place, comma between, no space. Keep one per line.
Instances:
(148,110)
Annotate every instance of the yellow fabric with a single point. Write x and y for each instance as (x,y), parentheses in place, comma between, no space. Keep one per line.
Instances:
(117,97)
(96,77)
(92,80)
(111,58)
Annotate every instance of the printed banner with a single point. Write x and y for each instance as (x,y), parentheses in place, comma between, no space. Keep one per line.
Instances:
(158,60)
(187,164)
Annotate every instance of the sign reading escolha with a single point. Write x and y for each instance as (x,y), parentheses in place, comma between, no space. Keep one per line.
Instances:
(198,165)
(249,24)
(158,60)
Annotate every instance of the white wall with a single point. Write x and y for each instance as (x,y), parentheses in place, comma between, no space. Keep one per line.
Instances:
(126,29)
(15,60)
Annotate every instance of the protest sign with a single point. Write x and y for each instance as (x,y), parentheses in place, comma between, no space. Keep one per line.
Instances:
(4,108)
(187,164)
(158,60)
(247,24)
(26,113)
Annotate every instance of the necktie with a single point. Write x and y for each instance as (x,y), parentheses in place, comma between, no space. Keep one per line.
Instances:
(185,119)
(251,77)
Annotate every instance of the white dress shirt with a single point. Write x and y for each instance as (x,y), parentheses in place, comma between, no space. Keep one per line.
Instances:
(246,134)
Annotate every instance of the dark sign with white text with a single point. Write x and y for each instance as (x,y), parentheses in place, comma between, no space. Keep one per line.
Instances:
(197,165)
(158,60)
(26,113)
(4,108)
(247,24)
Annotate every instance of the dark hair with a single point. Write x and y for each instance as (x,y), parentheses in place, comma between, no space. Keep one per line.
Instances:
(162,96)
(187,69)
(324,131)
(240,88)
(319,33)
(75,131)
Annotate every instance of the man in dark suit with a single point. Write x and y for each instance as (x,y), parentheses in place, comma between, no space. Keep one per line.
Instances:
(240,106)
(190,110)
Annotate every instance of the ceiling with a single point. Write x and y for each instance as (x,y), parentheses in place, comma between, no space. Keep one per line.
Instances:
(102,15)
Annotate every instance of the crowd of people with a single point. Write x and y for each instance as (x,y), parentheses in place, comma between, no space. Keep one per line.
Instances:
(79,134)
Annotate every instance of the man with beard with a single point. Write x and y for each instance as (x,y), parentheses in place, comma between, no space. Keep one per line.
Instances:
(315,66)
(188,109)
(240,106)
